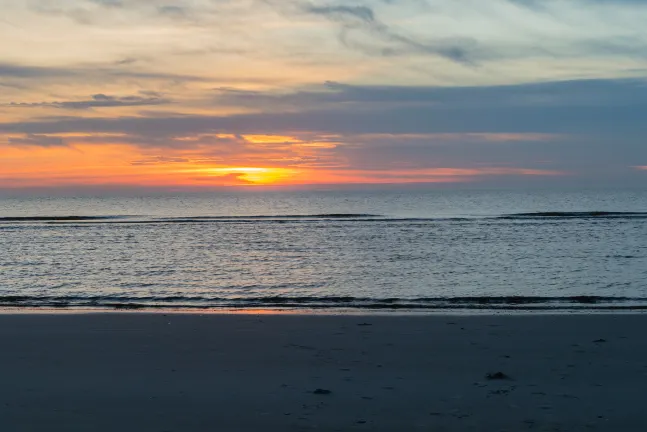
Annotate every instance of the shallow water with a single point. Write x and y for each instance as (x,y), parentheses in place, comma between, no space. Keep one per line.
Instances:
(415,250)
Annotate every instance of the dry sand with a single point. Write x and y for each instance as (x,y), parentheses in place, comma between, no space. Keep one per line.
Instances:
(183,373)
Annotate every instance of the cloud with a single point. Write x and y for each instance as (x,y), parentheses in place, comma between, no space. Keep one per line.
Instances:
(100,101)
(384,40)
(109,13)
(109,3)
(230,179)
(544,127)
(542,4)
(157,160)
(343,13)
(33,140)
(97,71)
(12,70)
(172,10)
(590,107)
(591,92)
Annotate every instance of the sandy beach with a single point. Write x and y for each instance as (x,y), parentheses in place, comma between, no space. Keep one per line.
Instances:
(183,372)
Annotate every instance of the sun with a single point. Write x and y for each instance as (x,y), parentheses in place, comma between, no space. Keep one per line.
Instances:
(250,175)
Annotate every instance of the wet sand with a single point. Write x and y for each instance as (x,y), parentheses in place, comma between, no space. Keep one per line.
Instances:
(183,373)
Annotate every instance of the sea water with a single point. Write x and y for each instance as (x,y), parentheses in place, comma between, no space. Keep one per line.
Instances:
(418,250)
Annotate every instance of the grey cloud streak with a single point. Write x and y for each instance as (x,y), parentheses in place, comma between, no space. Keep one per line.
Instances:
(30,72)
(98,101)
(33,140)
(594,92)
(581,107)
(11,70)
(363,19)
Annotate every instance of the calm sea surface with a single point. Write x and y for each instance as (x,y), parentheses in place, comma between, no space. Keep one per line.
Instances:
(415,250)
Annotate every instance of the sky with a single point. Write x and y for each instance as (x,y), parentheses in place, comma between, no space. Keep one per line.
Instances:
(202,94)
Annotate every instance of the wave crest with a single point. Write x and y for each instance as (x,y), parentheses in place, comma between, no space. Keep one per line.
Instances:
(576,215)
(332,302)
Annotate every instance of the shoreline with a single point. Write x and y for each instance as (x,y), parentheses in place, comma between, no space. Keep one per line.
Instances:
(346,305)
(327,311)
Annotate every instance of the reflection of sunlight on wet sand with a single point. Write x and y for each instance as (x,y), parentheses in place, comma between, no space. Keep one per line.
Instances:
(261,312)
(168,311)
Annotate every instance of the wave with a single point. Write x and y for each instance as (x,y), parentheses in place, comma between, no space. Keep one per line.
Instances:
(306,216)
(576,215)
(185,219)
(58,218)
(346,217)
(340,302)
(269,218)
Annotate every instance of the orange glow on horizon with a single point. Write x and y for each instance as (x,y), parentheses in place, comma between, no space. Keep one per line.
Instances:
(251,175)
(130,165)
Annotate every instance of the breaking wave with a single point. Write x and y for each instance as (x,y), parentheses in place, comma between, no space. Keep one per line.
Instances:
(59,218)
(332,303)
(349,217)
(577,215)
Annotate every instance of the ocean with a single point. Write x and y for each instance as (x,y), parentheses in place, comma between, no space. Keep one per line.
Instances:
(351,250)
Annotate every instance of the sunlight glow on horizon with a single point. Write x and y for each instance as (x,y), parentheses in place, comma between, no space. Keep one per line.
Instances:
(123,164)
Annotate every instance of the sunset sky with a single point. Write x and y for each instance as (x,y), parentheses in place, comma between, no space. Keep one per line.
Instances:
(201,94)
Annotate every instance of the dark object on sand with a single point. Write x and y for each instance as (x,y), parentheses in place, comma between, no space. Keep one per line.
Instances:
(497,376)
(322,392)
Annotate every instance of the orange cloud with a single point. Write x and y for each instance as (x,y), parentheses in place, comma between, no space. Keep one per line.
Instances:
(211,160)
